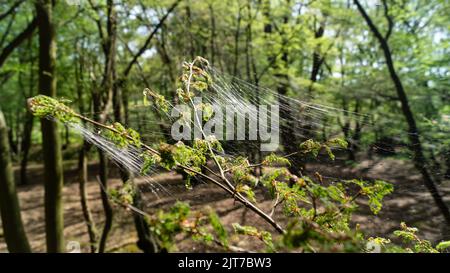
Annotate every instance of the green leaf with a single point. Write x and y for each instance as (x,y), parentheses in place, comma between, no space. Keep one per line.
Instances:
(310,146)
(159,100)
(264,236)
(337,142)
(149,161)
(274,159)
(241,188)
(218,228)
(44,107)
(443,245)
(375,191)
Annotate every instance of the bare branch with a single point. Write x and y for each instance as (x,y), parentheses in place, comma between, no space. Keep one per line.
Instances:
(11,10)
(149,39)
(389,19)
(18,40)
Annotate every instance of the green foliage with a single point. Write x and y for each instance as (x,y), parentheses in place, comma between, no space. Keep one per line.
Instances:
(337,142)
(309,237)
(202,144)
(122,136)
(408,235)
(45,107)
(247,190)
(310,146)
(273,159)
(241,173)
(374,191)
(359,92)
(207,111)
(319,213)
(218,228)
(181,154)
(167,224)
(167,158)
(412,243)
(194,80)
(263,235)
(160,101)
(124,195)
(181,219)
(149,160)
(443,246)
(313,147)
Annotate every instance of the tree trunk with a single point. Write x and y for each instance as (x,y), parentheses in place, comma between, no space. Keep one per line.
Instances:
(447,164)
(13,229)
(83,178)
(29,120)
(288,139)
(413,132)
(317,59)
(26,145)
(103,176)
(53,170)
(236,43)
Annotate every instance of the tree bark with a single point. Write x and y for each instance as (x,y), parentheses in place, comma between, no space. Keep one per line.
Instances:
(413,132)
(83,178)
(317,59)
(29,121)
(53,170)
(14,232)
(103,177)
(236,43)
(26,145)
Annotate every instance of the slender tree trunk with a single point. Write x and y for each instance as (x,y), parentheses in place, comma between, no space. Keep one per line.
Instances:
(66,137)
(12,143)
(413,132)
(213,34)
(189,24)
(317,58)
(13,229)
(26,145)
(250,65)
(83,164)
(103,176)
(83,178)
(447,164)
(29,122)
(236,43)
(53,171)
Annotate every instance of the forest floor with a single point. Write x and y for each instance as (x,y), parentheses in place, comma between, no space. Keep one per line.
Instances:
(410,203)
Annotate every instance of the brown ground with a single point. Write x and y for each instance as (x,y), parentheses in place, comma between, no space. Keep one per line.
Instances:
(410,203)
